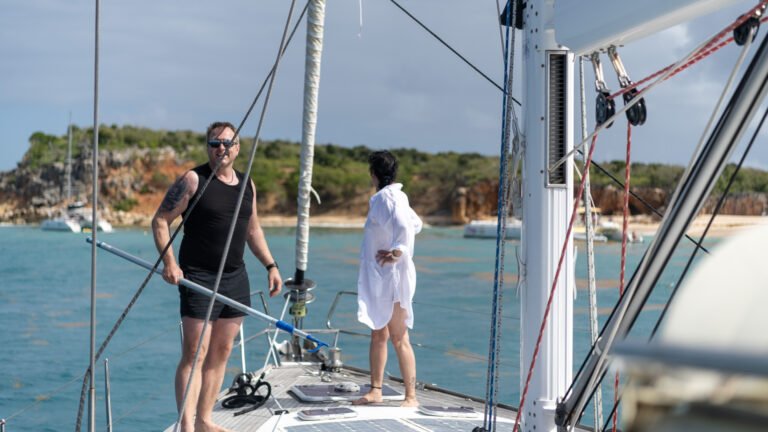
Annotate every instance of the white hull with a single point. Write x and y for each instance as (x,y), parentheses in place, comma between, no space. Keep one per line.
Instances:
(487,229)
(64,224)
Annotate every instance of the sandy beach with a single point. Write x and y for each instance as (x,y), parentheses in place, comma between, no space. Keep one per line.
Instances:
(723,225)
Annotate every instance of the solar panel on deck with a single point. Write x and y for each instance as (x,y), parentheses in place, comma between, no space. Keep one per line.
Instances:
(380,425)
(435,424)
(328,392)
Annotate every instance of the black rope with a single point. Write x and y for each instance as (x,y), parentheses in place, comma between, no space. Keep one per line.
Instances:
(246,394)
(453,50)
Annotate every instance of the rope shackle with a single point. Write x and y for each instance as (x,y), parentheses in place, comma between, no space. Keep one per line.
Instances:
(605,107)
(637,113)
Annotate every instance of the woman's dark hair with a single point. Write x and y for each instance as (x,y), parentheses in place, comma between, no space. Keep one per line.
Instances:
(383,165)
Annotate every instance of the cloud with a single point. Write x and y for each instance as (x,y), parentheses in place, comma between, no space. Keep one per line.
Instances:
(179,64)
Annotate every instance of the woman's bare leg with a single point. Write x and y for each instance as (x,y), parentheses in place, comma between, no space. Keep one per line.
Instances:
(377,354)
(398,332)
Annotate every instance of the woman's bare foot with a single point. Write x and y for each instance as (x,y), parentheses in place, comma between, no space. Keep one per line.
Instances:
(373,396)
(208,426)
(409,402)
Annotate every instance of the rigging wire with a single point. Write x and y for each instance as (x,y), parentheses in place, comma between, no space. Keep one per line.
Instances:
(596,379)
(593,315)
(624,229)
(494,346)
(648,205)
(552,290)
(243,187)
(703,50)
(94,230)
(719,205)
(453,50)
(721,200)
(178,229)
(60,389)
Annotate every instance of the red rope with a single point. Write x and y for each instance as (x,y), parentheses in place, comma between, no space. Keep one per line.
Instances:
(624,236)
(710,48)
(554,286)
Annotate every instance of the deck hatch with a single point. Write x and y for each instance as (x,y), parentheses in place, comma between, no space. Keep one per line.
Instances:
(328,393)
(377,425)
(447,424)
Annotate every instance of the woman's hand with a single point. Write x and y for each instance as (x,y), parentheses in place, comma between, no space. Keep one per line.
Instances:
(388,257)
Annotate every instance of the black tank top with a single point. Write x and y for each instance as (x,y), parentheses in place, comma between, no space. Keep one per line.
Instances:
(206,228)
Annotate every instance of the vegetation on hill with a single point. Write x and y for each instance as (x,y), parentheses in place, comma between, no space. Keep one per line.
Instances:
(666,176)
(340,174)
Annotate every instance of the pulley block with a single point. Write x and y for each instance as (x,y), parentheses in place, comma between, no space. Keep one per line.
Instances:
(637,113)
(605,108)
(742,32)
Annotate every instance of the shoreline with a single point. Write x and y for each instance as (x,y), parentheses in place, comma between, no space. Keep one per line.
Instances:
(723,225)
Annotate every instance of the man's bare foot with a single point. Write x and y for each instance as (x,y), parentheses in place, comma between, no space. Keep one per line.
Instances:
(409,402)
(372,397)
(208,426)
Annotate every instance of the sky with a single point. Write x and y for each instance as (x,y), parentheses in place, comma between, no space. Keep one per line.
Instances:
(385,82)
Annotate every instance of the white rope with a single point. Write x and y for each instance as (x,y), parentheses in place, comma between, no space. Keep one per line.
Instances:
(632,103)
(593,325)
(609,338)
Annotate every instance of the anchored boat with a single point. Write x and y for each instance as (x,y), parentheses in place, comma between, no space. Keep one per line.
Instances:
(309,386)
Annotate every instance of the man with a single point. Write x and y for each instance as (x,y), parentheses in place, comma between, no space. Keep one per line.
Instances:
(205,234)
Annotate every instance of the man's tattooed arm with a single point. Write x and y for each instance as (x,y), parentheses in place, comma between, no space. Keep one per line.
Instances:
(175,195)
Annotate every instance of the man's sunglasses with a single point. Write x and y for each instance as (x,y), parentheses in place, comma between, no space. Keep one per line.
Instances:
(216,143)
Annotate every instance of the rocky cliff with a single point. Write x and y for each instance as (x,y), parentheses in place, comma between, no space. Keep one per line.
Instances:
(132,184)
(480,202)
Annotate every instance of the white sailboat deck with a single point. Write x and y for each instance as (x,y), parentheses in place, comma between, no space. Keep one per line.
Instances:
(386,416)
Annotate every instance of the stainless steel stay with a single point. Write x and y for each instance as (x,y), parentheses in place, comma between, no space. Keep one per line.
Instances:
(685,204)
(282,325)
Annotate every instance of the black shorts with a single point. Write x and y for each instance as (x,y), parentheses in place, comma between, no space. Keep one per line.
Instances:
(233,285)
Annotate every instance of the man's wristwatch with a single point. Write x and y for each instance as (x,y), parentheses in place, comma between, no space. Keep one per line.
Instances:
(271,266)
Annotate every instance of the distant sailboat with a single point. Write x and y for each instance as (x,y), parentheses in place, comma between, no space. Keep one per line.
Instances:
(76,217)
(66,221)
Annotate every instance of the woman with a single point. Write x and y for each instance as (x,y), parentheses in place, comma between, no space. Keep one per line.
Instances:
(387,278)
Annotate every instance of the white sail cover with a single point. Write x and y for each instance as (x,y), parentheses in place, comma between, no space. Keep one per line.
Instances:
(314,51)
(721,306)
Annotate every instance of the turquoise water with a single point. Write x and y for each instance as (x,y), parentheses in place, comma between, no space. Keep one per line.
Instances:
(45,301)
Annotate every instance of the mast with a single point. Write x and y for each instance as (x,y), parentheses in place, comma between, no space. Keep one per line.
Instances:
(547,205)
(68,168)
(314,51)
(300,286)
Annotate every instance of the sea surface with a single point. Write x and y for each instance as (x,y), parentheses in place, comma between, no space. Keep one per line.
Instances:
(45,312)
